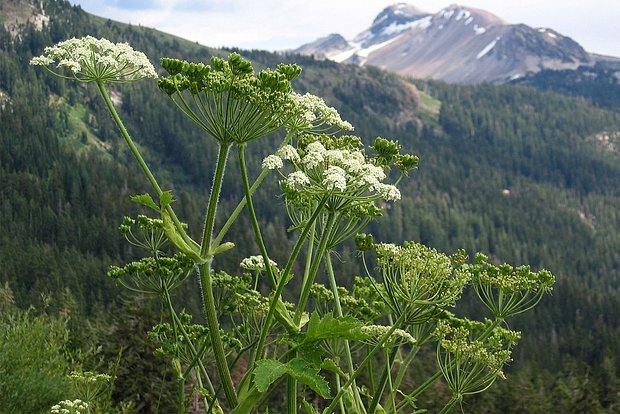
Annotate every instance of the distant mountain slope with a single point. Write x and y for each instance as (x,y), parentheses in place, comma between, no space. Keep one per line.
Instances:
(457,44)
(600,83)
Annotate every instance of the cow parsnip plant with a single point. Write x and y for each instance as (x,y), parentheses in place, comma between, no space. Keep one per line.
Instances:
(337,350)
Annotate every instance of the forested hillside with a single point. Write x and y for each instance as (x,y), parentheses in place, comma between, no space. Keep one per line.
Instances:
(523,175)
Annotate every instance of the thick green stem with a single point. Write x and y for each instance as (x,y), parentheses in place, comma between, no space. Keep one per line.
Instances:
(206,282)
(253,218)
(214,197)
(214,334)
(138,156)
(181,393)
(291,392)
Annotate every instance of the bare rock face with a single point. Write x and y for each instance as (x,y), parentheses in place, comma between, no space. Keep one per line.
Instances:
(458,44)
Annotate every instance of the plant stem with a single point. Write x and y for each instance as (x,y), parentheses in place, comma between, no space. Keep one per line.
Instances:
(138,156)
(283,279)
(214,197)
(430,381)
(305,289)
(253,219)
(176,322)
(453,401)
(291,392)
(214,334)
(383,381)
(362,365)
(206,283)
(291,389)
(235,213)
(349,358)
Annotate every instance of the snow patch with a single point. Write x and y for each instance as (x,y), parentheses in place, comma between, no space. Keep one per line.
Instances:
(396,28)
(359,51)
(463,14)
(547,32)
(488,48)
(367,51)
(342,56)
(479,30)
(469,20)
(446,14)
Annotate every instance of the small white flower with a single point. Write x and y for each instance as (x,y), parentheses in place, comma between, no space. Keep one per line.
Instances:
(288,152)
(297,180)
(256,263)
(387,191)
(335,156)
(389,249)
(334,178)
(397,336)
(272,162)
(316,147)
(315,113)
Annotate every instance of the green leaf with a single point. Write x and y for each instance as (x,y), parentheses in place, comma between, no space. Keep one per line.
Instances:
(284,317)
(165,199)
(309,408)
(299,369)
(266,372)
(269,370)
(192,249)
(346,327)
(145,200)
(329,364)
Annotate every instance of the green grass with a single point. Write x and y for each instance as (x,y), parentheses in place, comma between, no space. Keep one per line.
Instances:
(429,107)
(80,137)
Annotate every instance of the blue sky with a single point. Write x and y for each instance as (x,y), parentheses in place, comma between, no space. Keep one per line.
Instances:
(279,24)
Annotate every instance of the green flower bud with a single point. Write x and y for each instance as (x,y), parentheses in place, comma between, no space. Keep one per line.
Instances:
(364,242)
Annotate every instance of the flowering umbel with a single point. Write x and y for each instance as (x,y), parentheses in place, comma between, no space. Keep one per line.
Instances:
(89,59)
(228,99)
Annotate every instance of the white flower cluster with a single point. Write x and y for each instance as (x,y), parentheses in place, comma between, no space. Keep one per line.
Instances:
(340,170)
(397,337)
(70,407)
(316,116)
(256,263)
(272,162)
(89,377)
(92,59)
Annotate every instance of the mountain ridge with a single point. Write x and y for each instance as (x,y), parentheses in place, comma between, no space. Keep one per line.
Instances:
(458,44)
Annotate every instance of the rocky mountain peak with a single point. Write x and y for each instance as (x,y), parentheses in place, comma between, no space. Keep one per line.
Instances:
(392,21)
(456,44)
